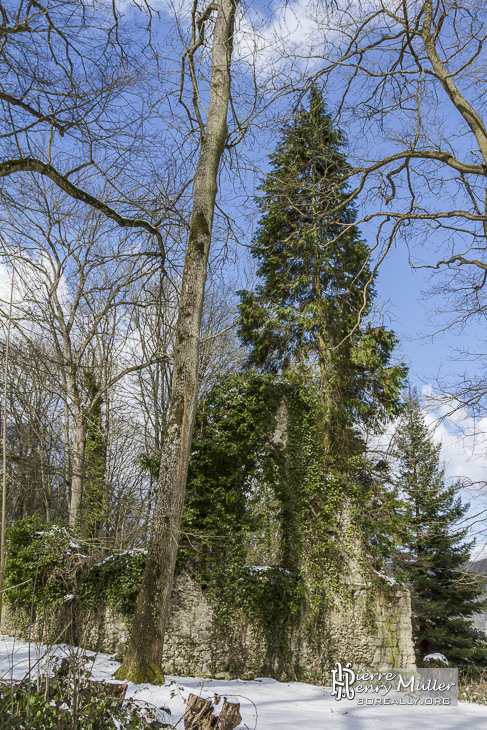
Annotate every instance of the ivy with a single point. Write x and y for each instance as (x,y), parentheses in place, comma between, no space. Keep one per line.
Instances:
(231,454)
(268,597)
(314,508)
(239,504)
(42,562)
(93,512)
(114,581)
(45,567)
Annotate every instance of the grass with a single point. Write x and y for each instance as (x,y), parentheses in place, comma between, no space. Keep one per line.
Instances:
(473,685)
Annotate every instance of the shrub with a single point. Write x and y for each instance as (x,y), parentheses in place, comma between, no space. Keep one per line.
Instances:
(473,685)
(45,565)
(69,700)
(116,580)
(42,562)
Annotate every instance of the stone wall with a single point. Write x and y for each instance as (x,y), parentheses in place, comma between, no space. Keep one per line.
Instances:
(479,621)
(370,630)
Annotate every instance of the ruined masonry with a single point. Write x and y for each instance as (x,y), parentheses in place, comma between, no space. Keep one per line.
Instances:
(369,625)
(196,646)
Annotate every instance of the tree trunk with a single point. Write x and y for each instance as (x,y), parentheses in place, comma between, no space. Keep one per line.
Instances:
(144,654)
(78,465)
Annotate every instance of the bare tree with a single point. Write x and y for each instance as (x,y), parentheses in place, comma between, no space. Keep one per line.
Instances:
(74,279)
(66,67)
(221,351)
(35,474)
(408,87)
(144,654)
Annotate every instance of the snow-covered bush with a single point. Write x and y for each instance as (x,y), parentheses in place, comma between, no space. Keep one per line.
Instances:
(43,562)
(436,660)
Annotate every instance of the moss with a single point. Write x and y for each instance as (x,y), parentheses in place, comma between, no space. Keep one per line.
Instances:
(199,230)
(150,674)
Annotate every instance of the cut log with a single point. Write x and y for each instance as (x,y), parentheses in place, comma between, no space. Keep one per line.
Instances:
(197,711)
(199,715)
(229,717)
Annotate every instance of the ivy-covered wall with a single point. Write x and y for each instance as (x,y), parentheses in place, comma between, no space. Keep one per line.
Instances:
(198,644)
(280,553)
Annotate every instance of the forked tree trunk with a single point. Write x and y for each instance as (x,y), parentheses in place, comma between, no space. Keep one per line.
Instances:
(144,654)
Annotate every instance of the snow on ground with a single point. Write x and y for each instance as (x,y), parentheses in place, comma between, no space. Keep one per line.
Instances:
(265,704)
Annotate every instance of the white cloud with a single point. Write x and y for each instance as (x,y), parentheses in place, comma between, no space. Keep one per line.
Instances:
(463,438)
(269,36)
(288,32)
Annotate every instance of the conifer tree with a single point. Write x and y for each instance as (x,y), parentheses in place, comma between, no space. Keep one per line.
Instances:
(434,554)
(310,310)
(311,314)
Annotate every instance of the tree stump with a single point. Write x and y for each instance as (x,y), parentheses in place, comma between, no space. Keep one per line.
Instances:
(199,715)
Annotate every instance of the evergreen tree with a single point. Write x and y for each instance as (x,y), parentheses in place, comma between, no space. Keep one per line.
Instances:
(434,554)
(309,310)
(311,314)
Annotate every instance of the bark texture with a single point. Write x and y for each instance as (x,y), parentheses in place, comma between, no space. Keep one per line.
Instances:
(78,465)
(144,654)
(199,715)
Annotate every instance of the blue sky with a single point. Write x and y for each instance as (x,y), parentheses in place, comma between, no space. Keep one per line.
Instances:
(400,289)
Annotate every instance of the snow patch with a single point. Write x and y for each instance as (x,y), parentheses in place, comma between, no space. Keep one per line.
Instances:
(437,657)
(265,704)
(135,551)
(388,578)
